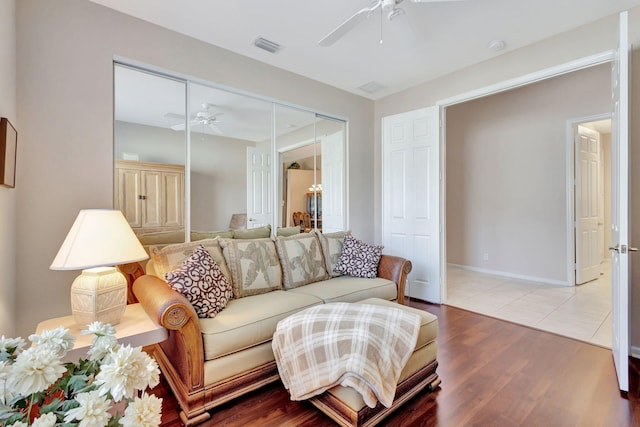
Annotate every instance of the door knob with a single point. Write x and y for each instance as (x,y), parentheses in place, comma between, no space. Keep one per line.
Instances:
(623,249)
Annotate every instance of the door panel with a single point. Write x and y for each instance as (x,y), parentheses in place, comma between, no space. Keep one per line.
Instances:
(587,206)
(152,203)
(173,199)
(259,196)
(411,192)
(128,190)
(620,207)
(332,161)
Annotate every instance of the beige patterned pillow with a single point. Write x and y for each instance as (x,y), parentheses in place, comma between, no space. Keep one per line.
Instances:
(170,257)
(301,259)
(331,249)
(254,266)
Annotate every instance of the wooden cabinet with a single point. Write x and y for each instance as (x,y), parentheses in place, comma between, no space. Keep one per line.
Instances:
(150,195)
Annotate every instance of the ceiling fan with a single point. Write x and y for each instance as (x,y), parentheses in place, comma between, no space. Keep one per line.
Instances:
(390,7)
(206,117)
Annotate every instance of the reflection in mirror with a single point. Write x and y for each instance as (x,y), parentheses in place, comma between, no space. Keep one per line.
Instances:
(230,160)
(231,144)
(149,156)
(311,163)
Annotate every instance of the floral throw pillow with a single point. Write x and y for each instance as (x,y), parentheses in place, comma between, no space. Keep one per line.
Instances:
(201,281)
(358,259)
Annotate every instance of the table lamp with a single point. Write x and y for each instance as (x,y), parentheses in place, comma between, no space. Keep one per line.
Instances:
(98,240)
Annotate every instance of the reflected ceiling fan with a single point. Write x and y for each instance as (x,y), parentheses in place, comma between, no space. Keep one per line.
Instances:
(390,7)
(206,117)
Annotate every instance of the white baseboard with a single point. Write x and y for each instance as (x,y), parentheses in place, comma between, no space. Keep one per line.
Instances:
(635,352)
(513,276)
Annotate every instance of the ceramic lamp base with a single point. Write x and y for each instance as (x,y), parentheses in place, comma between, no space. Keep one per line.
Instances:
(99,294)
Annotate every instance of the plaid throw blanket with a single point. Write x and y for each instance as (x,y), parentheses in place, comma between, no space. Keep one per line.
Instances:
(356,345)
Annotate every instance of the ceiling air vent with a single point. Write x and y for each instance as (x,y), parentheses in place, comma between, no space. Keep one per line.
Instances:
(268,45)
(372,87)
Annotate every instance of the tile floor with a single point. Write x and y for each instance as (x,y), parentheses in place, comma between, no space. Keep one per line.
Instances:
(582,312)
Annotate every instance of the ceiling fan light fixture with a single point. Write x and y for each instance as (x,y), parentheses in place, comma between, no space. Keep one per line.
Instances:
(388,5)
(395,13)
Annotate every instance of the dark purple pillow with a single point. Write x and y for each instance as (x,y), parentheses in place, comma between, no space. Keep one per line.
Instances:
(201,281)
(358,259)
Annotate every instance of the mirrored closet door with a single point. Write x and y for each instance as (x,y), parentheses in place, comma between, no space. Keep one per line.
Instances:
(192,159)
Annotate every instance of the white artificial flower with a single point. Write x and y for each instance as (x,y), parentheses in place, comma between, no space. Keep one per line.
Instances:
(7,344)
(144,411)
(92,412)
(34,370)
(5,394)
(125,370)
(58,340)
(46,420)
(99,329)
(102,345)
(19,424)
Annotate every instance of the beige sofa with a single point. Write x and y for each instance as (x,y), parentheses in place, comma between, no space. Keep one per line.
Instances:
(208,362)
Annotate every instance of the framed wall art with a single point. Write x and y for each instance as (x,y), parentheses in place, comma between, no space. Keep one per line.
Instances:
(8,146)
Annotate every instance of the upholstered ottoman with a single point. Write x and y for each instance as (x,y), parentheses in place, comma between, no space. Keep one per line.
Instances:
(347,407)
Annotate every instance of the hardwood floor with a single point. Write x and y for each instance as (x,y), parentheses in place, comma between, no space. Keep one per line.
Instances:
(494,373)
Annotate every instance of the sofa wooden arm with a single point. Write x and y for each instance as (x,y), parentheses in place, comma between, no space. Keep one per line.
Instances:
(396,269)
(183,349)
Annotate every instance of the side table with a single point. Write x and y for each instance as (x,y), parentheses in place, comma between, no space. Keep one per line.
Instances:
(135,329)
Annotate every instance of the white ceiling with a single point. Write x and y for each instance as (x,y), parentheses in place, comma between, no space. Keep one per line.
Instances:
(430,40)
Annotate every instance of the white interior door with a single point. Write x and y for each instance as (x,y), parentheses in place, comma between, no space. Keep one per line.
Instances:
(587,205)
(259,197)
(620,207)
(333,183)
(411,197)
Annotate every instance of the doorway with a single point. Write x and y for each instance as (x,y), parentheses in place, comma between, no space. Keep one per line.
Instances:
(508,205)
(590,140)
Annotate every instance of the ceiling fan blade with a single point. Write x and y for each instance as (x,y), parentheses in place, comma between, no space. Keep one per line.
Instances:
(432,1)
(179,126)
(215,128)
(347,26)
(175,116)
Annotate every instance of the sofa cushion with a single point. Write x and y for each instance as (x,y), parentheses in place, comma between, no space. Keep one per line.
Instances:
(301,259)
(254,265)
(168,258)
(201,281)
(350,289)
(201,235)
(253,233)
(288,231)
(249,321)
(161,238)
(331,249)
(358,259)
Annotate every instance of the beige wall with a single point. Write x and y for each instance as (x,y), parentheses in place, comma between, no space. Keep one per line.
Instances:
(506,174)
(64,58)
(578,43)
(7,195)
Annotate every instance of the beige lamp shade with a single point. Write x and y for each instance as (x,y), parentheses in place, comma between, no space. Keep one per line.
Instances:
(98,237)
(98,240)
